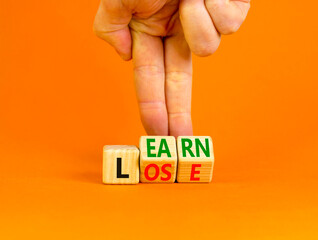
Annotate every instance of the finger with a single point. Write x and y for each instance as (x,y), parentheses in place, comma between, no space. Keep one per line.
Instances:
(149,80)
(227,15)
(199,31)
(111,24)
(178,68)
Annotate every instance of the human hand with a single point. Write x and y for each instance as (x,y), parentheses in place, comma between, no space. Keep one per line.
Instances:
(159,36)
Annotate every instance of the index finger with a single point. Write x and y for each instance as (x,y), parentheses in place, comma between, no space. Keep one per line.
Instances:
(149,81)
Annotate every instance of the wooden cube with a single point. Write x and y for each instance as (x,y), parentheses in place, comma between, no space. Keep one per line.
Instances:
(158,159)
(195,159)
(120,164)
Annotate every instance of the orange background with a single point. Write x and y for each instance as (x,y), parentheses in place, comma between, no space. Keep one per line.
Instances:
(64,94)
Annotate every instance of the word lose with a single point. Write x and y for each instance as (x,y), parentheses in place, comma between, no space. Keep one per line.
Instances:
(159,160)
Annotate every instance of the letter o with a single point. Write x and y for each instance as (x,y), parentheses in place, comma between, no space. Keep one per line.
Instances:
(147,170)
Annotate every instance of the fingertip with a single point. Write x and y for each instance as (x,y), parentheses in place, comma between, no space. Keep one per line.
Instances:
(228,16)
(180,124)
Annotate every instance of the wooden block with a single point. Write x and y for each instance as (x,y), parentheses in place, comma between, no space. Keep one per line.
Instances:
(195,159)
(158,159)
(120,164)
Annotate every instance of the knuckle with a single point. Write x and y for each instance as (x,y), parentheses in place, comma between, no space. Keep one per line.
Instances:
(226,17)
(99,30)
(149,70)
(178,76)
(152,104)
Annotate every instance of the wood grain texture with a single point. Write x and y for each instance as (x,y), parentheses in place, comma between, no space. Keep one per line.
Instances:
(186,161)
(129,155)
(160,161)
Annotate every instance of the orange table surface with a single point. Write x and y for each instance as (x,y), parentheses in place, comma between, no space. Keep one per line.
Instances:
(54,196)
(64,94)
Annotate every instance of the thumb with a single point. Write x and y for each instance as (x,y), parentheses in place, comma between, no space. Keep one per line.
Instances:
(111,24)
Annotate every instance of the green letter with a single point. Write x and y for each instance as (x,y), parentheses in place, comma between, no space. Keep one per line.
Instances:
(149,147)
(167,151)
(188,148)
(199,144)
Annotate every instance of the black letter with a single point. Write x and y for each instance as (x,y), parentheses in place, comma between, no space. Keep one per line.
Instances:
(119,174)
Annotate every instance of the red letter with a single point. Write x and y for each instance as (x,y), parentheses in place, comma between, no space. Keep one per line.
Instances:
(163,169)
(156,174)
(193,171)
